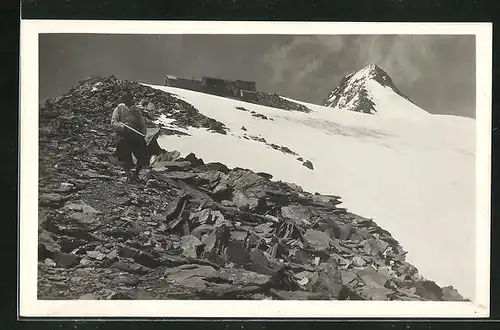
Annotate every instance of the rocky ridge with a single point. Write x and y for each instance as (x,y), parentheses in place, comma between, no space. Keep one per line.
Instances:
(194,230)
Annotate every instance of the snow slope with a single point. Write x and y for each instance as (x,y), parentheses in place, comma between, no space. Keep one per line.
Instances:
(415,178)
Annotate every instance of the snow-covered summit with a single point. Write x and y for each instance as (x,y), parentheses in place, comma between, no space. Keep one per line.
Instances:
(372,91)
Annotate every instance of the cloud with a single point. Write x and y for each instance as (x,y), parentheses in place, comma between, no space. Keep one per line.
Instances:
(303,56)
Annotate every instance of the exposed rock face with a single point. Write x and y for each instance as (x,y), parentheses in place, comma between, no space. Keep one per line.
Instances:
(195,230)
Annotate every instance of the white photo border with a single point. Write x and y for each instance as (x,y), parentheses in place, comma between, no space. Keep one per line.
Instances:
(29,306)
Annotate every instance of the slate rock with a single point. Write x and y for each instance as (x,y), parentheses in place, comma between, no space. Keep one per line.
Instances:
(303,274)
(211,177)
(244,202)
(346,231)
(147,259)
(66,187)
(171,165)
(246,181)
(167,156)
(262,265)
(242,277)
(47,246)
(131,267)
(174,207)
(375,247)
(153,183)
(349,276)
(238,235)
(428,290)
(126,280)
(298,295)
(189,245)
(222,191)
(372,277)
(121,233)
(170,260)
(357,261)
(266,176)
(194,160)
(119,296)
(303,257)
(138,294)
(355,237)
(325,200)
(218,167)
(451,294)
(316,240)
(263,229)
(202,230)
(96,255)
(201,217)
(66,260)
(69,243)
(88,296)
(112,255)
(237,253)
(190,275)
(80,206)
(300,214)
(218,219)
(86,262)
(396,253)
(42,218)
(330,280)
(228,203)
(128,252)
(209,242)
(374,293)
(178,175)
(52,200)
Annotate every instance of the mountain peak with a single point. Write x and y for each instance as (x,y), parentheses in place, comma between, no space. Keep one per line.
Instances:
(360,90)
(373,71)
(372,68)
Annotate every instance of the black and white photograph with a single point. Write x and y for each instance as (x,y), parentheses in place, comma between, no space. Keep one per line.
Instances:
(300,165)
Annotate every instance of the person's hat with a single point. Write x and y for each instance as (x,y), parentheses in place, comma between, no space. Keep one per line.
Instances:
(127,97)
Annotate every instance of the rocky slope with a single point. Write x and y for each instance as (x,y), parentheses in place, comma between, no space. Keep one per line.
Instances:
(192,230)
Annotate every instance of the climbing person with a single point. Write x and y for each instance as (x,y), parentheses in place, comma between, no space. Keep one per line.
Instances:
(129,139)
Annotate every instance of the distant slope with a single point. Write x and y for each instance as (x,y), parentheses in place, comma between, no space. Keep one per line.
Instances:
(414,177)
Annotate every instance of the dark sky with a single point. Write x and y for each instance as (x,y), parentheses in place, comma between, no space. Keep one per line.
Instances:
(436,72)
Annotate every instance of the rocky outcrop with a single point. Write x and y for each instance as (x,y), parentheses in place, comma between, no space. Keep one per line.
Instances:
(276,101)
(195,230)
